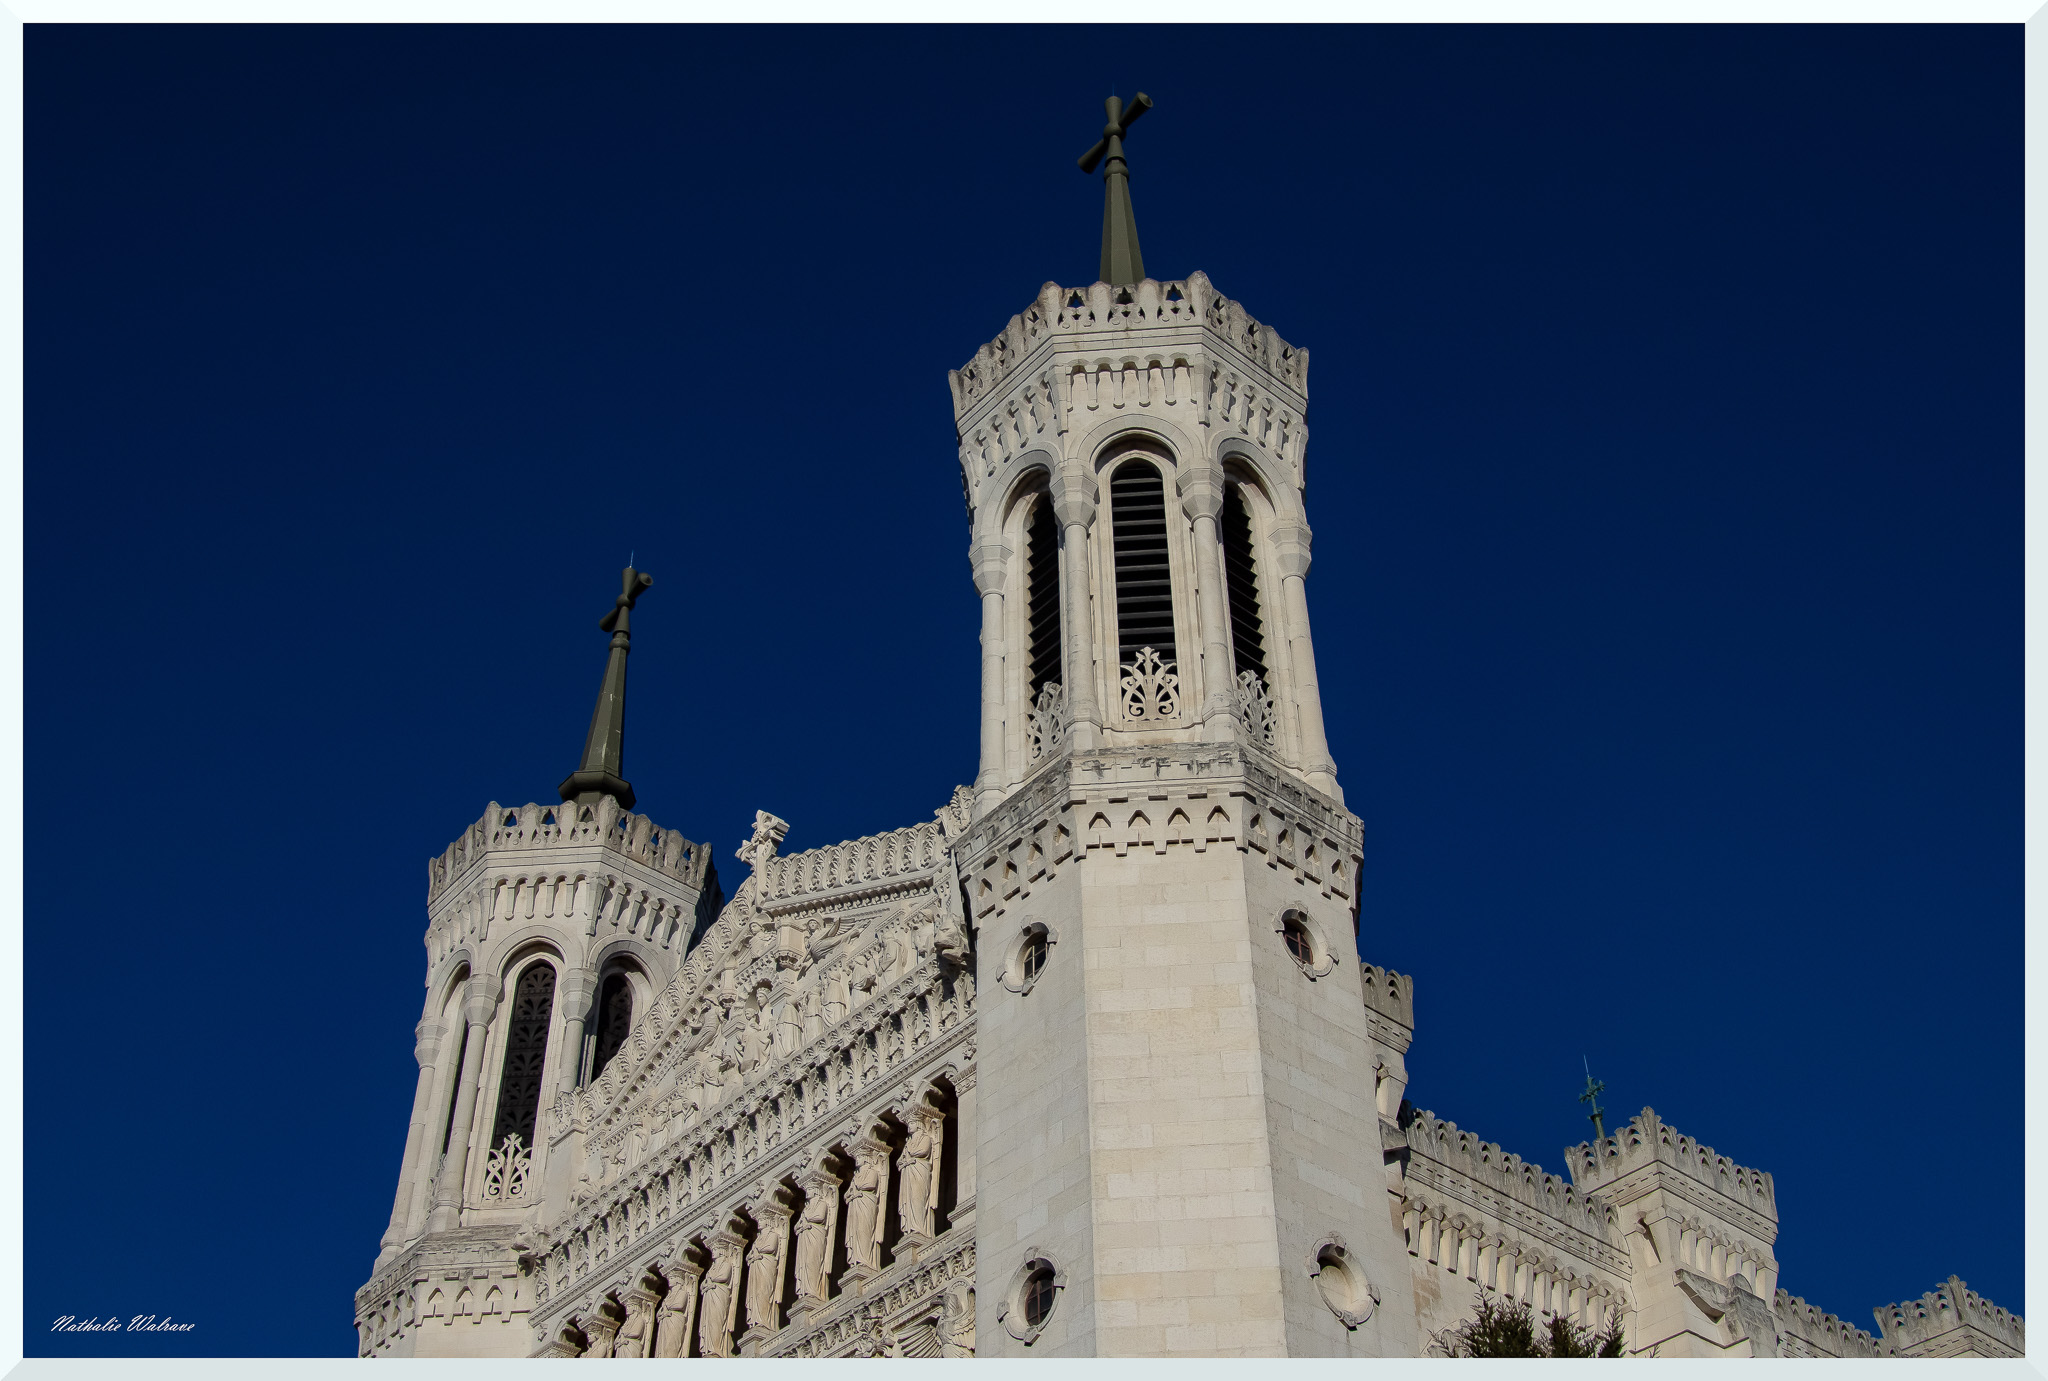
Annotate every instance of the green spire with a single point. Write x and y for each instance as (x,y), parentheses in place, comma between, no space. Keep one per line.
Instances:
(604,751)
(1121,261)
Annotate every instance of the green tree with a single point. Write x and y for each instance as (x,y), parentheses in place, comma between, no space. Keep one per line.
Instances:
(1507,1328)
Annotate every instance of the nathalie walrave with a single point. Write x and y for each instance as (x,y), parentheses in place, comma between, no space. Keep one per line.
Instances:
(141,1323)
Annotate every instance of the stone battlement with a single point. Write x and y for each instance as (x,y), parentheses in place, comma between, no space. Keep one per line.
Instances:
(1059,311)
(1807,1330)
(1951,1320)
(533,826)
(1504,1172)
(1390,994)
(1647,1140)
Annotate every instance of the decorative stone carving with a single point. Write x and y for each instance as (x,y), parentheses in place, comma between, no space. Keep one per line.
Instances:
(759,848)
(1255,708)
(601,1328)
(678,1314)
(1046,720)
(1151,689)
(917,1172)
(633,1334)
(865,1194)
(719,1298)
(766,1261)
(956,1322)
(816,1232)
(505,1170)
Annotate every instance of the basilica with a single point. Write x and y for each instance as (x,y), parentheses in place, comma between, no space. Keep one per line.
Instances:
(1093,1060)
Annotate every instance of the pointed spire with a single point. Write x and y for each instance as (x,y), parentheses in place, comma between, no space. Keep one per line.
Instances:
(604,751)
(1121,261)
(1594,1088)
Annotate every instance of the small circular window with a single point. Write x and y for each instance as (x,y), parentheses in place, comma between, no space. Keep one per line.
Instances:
(1038,1297)
(1299,944)
(1027,955)
(1345,1289)
(1032,960)
(1033,1293)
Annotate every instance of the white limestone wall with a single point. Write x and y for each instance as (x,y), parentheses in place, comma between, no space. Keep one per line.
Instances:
(1031,1158)
(1187,1258)
(1328,1170)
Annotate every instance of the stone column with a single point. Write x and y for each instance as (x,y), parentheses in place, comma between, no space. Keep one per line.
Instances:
(426,1045)
(1201,499)
(1291,555)
(575,992)
(1074,496)
(991,571)
(479,1001)
(964,1106)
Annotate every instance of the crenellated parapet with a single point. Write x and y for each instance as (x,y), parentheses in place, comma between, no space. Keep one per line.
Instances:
(1178,352)
(1507,1176)
(1478,1219)
(532,827)
(586,874)
(1952,1320)
(1077,313)
(1807,1330)
(1648,1144)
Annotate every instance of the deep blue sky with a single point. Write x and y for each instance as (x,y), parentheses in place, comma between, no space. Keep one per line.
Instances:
(1664,466)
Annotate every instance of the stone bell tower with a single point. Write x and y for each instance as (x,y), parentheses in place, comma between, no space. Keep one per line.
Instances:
(1179,1151)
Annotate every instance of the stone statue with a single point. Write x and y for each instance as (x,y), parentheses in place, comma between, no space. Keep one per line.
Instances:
(766,1260)
(864,1195)
(719,1299)
(838,996)
(632,1337)
(917,1174)
(814,1235)
(678,1312)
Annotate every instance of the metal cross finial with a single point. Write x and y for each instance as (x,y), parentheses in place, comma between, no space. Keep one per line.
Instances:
(1594,1088)
(605,749)
(1121,261)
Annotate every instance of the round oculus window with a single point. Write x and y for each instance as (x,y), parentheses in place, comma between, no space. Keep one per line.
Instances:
(1038,1297)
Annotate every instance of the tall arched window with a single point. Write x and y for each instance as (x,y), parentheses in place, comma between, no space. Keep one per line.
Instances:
(1241,578)
(614,1019)
(526,1052)
(1042,594)
(1144,585)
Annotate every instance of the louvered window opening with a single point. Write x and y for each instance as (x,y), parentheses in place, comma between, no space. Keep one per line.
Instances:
(1241,580)
(1144,585)
(1042,593)
(526,1051)
(614,1019)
